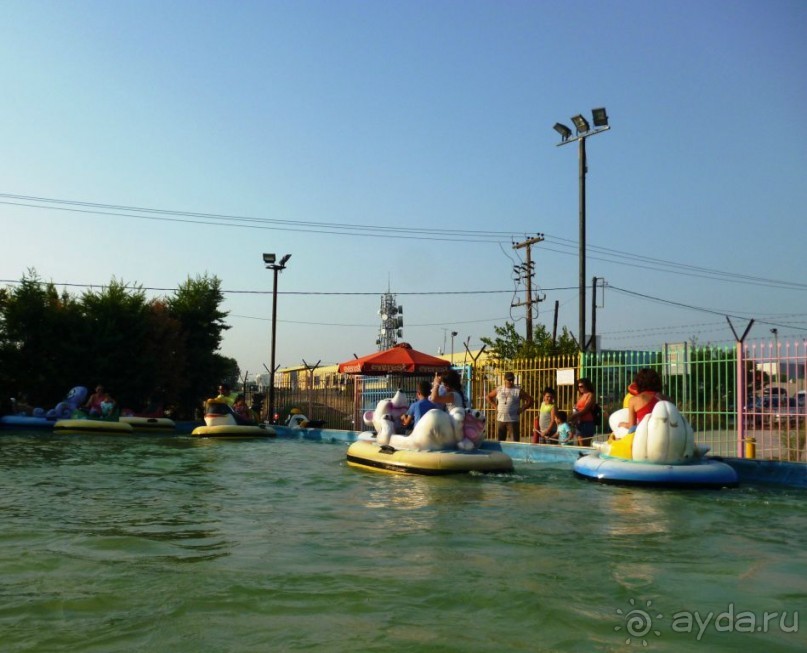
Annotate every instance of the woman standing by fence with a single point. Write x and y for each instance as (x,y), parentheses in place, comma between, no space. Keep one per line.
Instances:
(583,413)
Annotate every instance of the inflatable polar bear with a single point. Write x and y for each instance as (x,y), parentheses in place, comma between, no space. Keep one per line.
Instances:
(389,410)
(663,437)
(437,430)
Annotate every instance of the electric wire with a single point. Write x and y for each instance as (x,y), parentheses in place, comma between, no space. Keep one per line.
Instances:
(497,237)
(606,254)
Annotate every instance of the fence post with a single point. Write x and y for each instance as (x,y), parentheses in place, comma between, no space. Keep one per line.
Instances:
(740,394)
(740,408)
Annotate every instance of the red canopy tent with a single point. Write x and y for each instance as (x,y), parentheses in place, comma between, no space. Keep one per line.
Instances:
(400,359)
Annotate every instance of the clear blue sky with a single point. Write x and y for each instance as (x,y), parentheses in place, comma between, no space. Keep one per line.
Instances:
(434,118)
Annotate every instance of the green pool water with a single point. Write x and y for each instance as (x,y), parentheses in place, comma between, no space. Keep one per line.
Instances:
(153,543)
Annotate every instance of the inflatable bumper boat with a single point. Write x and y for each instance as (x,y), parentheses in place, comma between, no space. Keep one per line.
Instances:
(369,454)
(232,431)
(45,419)
(26,422)
(661,452)
(149,424)
(222,422)
(705,473)
(91,427)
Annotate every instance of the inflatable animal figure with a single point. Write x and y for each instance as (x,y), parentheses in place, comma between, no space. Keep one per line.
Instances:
(473,430)
(296,419)
(382,421)
(400,404)
(72,402)
(388,410)
(663,437)
(435,431)
(218,413)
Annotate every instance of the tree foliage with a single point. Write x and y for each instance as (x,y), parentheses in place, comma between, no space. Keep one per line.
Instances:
(511,345)
(162,350)
(195,306)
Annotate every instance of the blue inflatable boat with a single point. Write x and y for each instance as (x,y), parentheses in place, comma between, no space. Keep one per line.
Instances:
(702,473)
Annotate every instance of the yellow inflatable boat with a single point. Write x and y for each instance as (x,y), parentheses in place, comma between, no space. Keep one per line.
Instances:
(91,426)
(370,455)
(149,424)
(232,431)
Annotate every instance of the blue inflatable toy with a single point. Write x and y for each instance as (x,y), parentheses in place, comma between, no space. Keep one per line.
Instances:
(65,409)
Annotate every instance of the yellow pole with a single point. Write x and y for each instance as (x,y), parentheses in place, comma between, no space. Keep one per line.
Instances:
(750,448)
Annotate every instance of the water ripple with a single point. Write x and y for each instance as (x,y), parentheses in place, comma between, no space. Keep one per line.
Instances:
(157,544)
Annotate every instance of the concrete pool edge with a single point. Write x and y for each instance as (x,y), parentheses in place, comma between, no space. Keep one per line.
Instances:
(789,474)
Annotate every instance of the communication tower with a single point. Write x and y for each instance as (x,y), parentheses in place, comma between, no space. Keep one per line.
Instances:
(391,322)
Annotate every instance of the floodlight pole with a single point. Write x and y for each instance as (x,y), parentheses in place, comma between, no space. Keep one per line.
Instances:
(276,268)
(601,125)
(582,247)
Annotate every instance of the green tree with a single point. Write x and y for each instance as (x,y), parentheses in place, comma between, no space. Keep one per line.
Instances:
(116,319)
(165,353)
(230,372)
(196,305)
(160,351)
(511,345)
(38,329)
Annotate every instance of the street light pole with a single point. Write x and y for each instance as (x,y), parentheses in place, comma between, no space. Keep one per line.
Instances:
(269,261)
(581,280)
(583,129)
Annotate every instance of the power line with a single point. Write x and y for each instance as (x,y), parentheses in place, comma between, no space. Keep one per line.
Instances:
(280,292)
(606,254)
(634,260)
(625,291)
(366,326)
(701,309)
(611,334)
(246,222)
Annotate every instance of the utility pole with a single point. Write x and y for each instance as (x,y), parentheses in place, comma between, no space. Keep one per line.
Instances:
(596,282)
(527,269)
(592,343)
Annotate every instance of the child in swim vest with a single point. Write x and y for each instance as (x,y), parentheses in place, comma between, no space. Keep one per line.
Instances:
(544,427)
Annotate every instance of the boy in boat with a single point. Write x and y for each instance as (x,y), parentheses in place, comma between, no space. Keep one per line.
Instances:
(419,408)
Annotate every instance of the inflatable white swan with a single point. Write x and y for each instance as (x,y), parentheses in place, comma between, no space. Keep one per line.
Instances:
(663,437)
(437,430)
